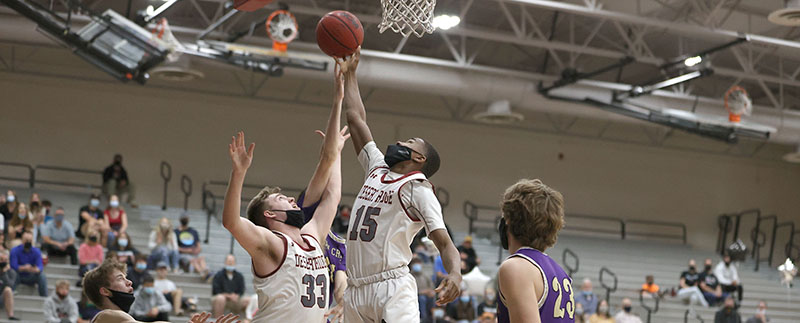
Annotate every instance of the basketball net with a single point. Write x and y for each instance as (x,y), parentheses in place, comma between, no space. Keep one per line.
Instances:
(738,103)
(162,33)
(282,29)
(407,16)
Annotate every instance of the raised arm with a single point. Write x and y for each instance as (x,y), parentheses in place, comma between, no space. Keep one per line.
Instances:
(251,237)
(354,107)
(449,289)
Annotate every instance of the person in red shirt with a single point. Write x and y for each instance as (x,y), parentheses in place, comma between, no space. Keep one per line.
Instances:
(115,219)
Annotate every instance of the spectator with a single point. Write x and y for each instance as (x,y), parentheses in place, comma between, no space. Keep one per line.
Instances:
(90,254)
(8,278)
(106,287)
(47,206)
(342,220)
(587,298)
(91,218)
(425,294)
(150,305)
(487,317)
(86,309)
(489,304)
(580,314)
(439,272)
(709,284)
(163,245)
(649,288)
(126,252)
(19,224)
(601,314)
(60,307)
(114,219)
(422,249)
(166,287)
(466,249)
(689,284)
(440,315)
(761,314)
(9,207)
(26,260)
(58,237)
(36,214)
(728,276)
(138,271)
(35,198)
(227,289)
(189,248)
(463,309)
(116,182)
(728,313)
(625,315)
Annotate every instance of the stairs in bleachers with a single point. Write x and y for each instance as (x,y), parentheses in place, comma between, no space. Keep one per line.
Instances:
(632,260)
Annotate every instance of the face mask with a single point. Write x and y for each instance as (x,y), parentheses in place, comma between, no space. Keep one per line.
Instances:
(149,290)
(164,226)
(123,242)
(491,297)
(416,268)
(59,217)
(184,222)
(3,265)
(503,234)
(395,154)
(114,203)
(627,309)
(230,268)
(61,296)
(28,245)
(761,312)
(579,311)
(122,300)
(94,202)
(603,309)
(587,293)
(692,269)
(141,266)
(23,216)
(93,238)
(464,299)
(438,313)
(11,198)
(708,268)
(294,218)
(727,264)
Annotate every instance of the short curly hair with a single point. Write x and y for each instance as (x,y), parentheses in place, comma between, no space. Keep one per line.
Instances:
(534,213)
(101,277)
(259,204)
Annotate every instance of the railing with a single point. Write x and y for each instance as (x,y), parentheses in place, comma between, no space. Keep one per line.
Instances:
(31,173)
(681,226)
(650,310)
(186,188)
(609,288)
(686,316)
(37,177)
(725,222)
(619,221)
(759,243)
(570,268)
(166,175)
(471,212)
(731,223)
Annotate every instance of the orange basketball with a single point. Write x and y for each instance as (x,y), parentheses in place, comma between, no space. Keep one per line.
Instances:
(339,33)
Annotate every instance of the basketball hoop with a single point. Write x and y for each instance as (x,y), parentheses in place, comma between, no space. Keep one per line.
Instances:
(407,16)
(738,103)
(162,33)
(282,29)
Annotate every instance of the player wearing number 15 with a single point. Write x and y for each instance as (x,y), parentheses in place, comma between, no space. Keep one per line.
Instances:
(288,262)
(533,287)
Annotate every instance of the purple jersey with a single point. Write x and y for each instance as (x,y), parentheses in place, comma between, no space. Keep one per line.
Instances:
(557,304)
(335,250)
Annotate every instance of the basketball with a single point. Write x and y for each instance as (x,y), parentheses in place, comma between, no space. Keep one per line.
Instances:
(339,33)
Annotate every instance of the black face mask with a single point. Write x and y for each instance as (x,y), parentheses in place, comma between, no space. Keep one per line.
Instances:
(93,239)
(627,309)
(122,300)
(692,269)
(184,222)
(3,265)
(395,154)
(295,218)
(708,268)
(503,234)
(727,264)
(28,246)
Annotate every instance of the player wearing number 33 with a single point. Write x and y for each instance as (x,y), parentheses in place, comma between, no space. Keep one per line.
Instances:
(533,287)
(394,203)
(288,262)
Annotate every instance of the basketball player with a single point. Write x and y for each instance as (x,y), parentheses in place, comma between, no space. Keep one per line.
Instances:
(289,269)
(395,202)
(533,287)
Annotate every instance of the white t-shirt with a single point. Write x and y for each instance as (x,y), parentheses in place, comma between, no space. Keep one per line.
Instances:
(164,285)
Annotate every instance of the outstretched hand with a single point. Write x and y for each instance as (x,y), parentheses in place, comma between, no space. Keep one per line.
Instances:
(240,156)
(335,314)
(338,84)
(341,137)
(349,64)
(449,289)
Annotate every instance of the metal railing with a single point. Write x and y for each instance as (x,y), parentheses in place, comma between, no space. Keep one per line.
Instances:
(31,173)
(570,268)
(186,188)
(696,316)
(38,180)
(759,243)
(621,222)
(609,288)
(681,226)
(166,175)
(731,223)
(471,212)
(725,222)
(650,309)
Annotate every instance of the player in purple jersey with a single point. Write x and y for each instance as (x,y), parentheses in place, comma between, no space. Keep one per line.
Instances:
(533,287)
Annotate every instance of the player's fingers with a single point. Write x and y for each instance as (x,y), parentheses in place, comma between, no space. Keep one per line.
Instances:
(344,130)
(250,150)
(320,133)
(347,136)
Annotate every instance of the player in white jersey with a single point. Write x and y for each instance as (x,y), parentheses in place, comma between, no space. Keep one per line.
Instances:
(395,202)
(288,261)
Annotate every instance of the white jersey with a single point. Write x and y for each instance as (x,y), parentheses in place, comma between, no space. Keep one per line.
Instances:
(297,291)
(388,212)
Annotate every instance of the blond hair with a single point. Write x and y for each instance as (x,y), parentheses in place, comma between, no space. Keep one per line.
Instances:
(259,204)
(101,277)
(534,213)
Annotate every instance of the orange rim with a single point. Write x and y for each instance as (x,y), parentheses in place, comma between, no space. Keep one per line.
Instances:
(272,16)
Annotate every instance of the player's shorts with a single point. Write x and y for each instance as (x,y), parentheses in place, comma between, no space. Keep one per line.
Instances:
(390,297)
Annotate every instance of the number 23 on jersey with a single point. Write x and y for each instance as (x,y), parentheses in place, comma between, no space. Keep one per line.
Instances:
(569,308)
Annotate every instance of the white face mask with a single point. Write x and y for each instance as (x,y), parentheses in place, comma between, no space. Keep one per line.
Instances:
(113,203)
(438,313)
(11,198)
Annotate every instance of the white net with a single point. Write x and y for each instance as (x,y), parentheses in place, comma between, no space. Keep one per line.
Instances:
(163,33)
(739,103)
(282,28)
(408,17)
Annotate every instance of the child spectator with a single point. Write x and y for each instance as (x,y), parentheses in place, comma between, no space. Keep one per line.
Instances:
(60,307)
(90,254)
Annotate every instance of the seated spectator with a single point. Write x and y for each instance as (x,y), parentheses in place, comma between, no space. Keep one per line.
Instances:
(36,214)
(439,272)
(9,208)
(425,294)
(625,315)
(471,256)
(115,219)
(587,298)
(107,288)
(649,288)
(580,314)
(90,254)
(86,309)
(728,276)
(116,182)
(728,313)
(138,271)
(421,249)
(463,309)
(20,223)
(58,237)
(689,284)
(26,260)
(150,305)
(163,245)
(761,314)
(440,315)
(189,248)
(601,314)
(48,206)
(489,304)
(709,284)
(35,198)
(487,317)
(165,286)
(60,307)
(90,217)
(342,220)
(8,278)
(126,253)
(227,289)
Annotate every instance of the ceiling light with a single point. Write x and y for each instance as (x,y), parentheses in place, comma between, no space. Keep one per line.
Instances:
(445,22)
(150,10)
(692,61)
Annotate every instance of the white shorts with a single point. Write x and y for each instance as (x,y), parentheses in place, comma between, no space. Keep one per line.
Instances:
(392,300)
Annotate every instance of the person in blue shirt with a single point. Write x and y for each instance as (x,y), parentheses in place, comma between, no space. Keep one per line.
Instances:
(27,261)
(189,248)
